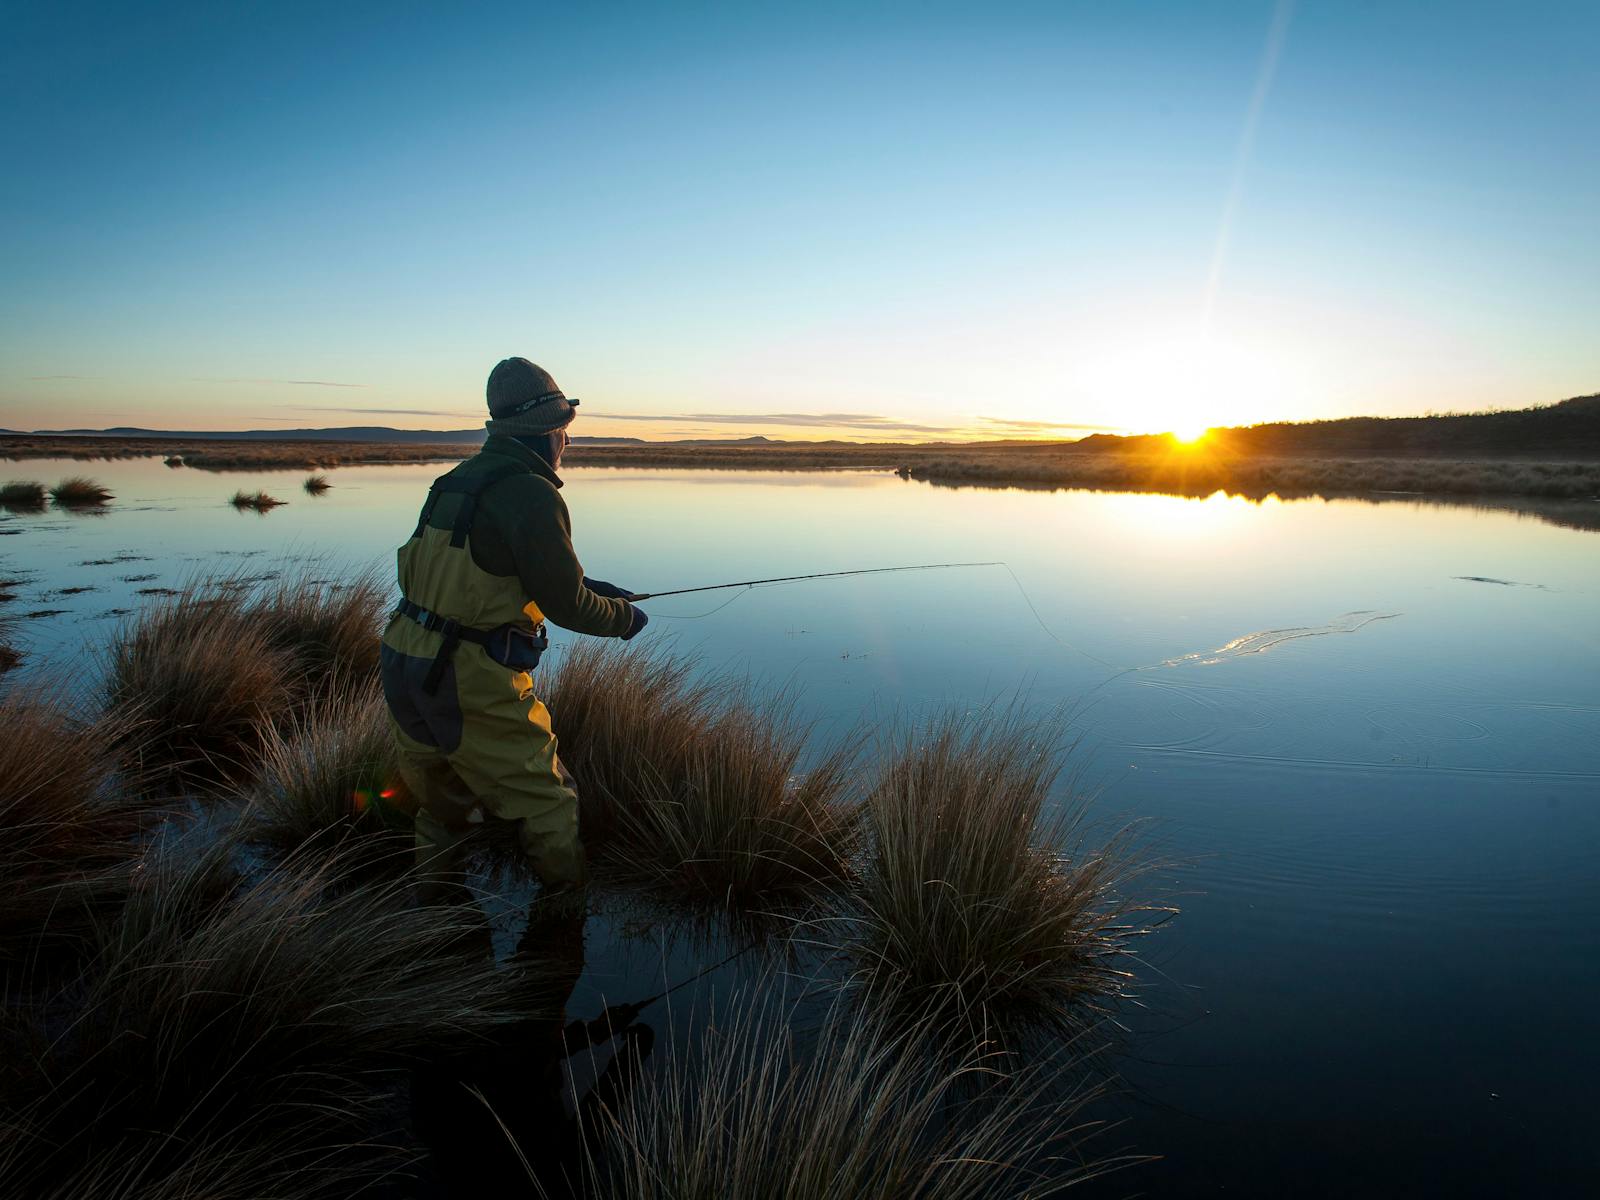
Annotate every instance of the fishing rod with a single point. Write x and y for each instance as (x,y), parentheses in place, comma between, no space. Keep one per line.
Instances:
(616,1017)
(715,587)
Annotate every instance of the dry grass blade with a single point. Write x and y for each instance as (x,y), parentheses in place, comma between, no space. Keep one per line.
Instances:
(256,501)
(750,1112)
(974,894)
(79,491)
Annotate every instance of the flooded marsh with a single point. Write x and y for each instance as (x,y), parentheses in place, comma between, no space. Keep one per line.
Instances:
(1356,737)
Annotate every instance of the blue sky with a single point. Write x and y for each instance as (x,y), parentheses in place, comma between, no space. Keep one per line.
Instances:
(912,221)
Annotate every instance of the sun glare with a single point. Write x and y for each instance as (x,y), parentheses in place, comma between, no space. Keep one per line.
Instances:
(1182,385)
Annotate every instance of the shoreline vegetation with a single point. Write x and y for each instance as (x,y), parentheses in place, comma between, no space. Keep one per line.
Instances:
(1550,452)
(208,875)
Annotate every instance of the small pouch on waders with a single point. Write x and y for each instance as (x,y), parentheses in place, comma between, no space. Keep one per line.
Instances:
(516,647)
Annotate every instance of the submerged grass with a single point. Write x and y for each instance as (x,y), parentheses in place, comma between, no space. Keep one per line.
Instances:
(245,1015)
(693,788)
(974,894)
(79,491)
(748,1111)
(256,501)
(316,485)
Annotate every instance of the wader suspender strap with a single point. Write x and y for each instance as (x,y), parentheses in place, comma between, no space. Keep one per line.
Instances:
(447,649)
(469,488)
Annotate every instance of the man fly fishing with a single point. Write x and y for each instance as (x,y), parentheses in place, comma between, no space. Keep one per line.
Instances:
(490,561)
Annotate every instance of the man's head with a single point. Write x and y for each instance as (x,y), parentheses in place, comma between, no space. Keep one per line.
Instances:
(524,401)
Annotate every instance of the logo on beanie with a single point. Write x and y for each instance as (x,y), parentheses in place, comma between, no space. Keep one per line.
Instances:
(518,410)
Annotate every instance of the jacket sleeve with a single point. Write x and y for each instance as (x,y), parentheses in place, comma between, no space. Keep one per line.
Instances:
(540,540)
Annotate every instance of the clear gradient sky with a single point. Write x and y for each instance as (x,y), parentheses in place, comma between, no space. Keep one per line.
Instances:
(907,221)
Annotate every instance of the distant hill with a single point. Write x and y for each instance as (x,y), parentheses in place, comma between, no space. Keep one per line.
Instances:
(355,433)
(1570,428)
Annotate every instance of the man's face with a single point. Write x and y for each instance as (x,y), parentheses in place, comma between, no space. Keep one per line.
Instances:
(558,444)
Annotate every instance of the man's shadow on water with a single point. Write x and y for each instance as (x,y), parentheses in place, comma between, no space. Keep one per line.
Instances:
(504,1110)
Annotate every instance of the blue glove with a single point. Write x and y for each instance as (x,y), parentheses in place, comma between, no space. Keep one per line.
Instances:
(636,621)
(609,590)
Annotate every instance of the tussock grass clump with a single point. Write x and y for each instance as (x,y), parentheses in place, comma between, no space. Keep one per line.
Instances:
(748,1112)
(316,485)
(973,893)
(693,787)
(79,491)
(204,676)
(332,772)
(214,667)
(66,828)
(256,501)
(268,1014)
(22,496)
(331,629)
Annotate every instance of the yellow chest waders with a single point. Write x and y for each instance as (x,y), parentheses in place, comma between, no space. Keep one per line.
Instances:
(457,659)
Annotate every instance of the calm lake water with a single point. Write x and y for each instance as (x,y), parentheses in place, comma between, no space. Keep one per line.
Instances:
(1365,735)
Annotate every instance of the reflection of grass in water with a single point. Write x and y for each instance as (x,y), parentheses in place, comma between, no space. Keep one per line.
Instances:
(316,485)
(748,1111)
(256,501)
(972,892)
(79,491)
(693,786)
(220,1015)
(22,496)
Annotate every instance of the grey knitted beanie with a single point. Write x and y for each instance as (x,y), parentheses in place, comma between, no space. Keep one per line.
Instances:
(524,400)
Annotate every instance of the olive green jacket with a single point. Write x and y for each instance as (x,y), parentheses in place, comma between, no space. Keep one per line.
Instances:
(522,530)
